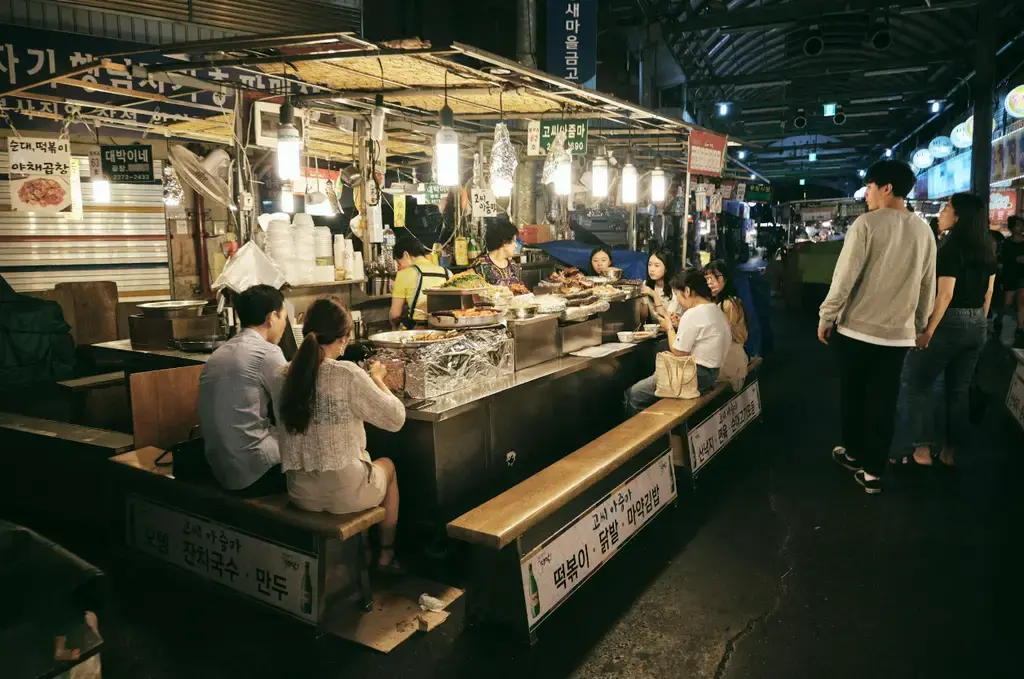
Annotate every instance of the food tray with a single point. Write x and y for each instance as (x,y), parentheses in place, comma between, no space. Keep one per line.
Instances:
(404,339)
(446,321)
(583,300)
(454,292)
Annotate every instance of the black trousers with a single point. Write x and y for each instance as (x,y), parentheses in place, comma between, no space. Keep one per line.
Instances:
(869,377)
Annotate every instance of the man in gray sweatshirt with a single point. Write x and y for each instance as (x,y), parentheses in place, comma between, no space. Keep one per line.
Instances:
(881,296)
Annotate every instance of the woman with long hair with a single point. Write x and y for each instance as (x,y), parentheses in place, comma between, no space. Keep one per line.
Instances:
(661,267)
(322,404)
(600,260)
(720,280)
(965,267)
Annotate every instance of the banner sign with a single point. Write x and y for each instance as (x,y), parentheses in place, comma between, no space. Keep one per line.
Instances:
(1007,160)
(572,41)
(40,171)
(1001,206)
(759,193)
(741,191)
(554,570)
(711,435)
(127,164)
(575,134)
(707,153)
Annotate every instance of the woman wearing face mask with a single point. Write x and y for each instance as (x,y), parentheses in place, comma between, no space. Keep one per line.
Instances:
(600,260)
(703,333)
(965,266)
(498,266)
(322,404)
(658,288)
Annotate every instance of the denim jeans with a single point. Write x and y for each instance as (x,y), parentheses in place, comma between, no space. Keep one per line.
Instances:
(953,352)
(641,395)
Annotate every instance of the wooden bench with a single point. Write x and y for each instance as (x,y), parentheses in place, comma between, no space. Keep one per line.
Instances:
(22,431)
(298,562)
(588,504)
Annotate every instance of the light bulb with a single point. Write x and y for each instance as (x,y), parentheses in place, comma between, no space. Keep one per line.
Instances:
(288,162)
(447,154)
(753,176)
(100,191)
(377,119)
(629,184)
(501,188)
(742,155)
(723,109)
(563,176)
(657,185)
(803,182)
(287,198)
(888,153)
(599,178)
(812,156)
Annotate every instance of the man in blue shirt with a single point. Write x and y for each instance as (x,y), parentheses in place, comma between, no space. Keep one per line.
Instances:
(234,397)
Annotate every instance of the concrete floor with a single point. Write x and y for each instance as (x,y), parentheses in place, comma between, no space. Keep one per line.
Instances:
(779,566)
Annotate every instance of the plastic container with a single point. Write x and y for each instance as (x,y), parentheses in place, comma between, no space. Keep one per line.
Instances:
(625,337)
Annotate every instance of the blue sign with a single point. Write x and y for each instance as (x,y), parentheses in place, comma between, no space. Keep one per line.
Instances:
(572,41)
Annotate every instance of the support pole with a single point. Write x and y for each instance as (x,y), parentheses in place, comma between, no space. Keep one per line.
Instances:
(686,216)
(982,88)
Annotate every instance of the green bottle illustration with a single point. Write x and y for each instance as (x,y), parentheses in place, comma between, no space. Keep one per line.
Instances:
(534,594)
(307,592)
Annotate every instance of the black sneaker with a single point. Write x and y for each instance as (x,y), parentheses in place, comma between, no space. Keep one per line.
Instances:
(872,487)
(840,456)
(1018,341)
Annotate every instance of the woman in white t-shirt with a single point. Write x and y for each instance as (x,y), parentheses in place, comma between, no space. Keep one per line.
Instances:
(703,333)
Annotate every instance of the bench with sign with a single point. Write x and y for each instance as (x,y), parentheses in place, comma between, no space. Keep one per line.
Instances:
(301,563)
(1015,394)
(534,544)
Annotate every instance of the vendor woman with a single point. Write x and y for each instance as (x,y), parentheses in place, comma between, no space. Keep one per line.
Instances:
(498,267)
(416,273)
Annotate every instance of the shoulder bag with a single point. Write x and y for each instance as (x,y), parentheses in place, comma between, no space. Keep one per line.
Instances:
(676,376)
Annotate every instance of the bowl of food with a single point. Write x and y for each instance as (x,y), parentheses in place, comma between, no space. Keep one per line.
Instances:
(625,337)
(613,273)
(651,328)
(523,311)
(642,335)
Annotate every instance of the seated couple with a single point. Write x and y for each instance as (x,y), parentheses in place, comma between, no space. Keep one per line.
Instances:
(712,329)
(261,416)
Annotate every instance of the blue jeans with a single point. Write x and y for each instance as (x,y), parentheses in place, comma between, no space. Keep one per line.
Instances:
(953,352)
(641,395)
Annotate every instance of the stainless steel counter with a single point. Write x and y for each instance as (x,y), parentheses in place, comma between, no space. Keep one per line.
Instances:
(144,359)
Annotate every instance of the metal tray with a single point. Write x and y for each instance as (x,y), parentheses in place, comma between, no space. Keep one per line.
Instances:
(446,322)
(454,292)
(173,308)
(404,339)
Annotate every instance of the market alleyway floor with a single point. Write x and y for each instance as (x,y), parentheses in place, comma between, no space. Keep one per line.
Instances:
(779,566)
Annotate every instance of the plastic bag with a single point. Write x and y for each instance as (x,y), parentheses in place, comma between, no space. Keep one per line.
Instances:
(248,267)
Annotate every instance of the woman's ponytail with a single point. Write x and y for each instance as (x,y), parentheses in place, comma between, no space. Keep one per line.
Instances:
(300,386)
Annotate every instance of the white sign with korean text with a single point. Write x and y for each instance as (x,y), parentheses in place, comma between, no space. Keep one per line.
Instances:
(741,191)
(484,204)
(533,139)
(1015,396)
(711,435)
(40,171)
(276,575)
(715,203)
(551,572)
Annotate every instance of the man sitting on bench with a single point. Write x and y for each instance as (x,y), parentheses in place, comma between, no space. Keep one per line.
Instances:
(234,397)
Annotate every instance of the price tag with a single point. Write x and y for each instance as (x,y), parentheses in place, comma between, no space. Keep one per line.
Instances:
(533,139)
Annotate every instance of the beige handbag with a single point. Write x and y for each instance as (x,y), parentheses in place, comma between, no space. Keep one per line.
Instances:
(676,376)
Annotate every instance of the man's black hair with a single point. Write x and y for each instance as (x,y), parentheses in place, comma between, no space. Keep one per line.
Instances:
(255,304)
(500,232)
(893,172)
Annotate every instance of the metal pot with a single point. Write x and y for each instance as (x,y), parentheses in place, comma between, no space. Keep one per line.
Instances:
(204,344)
(613,273)
(181,308)
(524,311)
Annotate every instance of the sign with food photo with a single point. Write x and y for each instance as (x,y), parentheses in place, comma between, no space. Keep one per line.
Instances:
(40,174)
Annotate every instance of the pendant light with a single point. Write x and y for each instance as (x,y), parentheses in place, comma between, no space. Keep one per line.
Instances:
(287,198)
(288,142)
(503,157)
(657,182)
(599,176)
(629,180)
(377,119)
(446,148)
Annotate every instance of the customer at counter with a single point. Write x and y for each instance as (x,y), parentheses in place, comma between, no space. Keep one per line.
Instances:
(416,273)
(703,333)
(498,266)
(658,288)
(235,397)
(600,260)
(719,278)
(322,404)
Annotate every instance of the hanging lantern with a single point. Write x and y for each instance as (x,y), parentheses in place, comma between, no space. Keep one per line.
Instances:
(599,177)
(628,181)
(288,143)
(503,162)
(555,156)
(657,182)
(563,174)
(173,192)
(446,150)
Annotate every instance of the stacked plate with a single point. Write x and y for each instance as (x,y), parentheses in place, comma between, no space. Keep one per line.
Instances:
(324,246)
(280,247)
(305,252)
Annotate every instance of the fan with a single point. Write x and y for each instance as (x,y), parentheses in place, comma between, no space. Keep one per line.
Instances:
(202,173)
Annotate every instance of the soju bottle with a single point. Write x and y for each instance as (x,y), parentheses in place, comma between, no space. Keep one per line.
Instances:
(534,593)
(307,592)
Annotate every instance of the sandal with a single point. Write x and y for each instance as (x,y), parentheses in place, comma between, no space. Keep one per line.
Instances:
(392,567)
(910,462)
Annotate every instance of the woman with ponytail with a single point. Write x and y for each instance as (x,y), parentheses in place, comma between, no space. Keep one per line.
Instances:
(322,404)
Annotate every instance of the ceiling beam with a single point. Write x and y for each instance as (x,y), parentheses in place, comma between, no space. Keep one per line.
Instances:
(867,70)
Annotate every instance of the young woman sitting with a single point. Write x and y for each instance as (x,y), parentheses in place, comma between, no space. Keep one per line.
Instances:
(703,333)
(658,288)
(322,404)
(719,278)
(600,260)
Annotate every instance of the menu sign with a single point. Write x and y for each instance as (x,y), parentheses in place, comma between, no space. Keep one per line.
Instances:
(707,153)
(1002,205)
(711,435)
(40,174)
(484,204)
(127,164)
(533,139)
(575,134)
(554,570)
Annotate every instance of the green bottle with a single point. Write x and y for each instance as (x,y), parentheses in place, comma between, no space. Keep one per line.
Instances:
(534,593)
(307,592)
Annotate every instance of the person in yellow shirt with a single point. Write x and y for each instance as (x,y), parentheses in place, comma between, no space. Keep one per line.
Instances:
(416,273)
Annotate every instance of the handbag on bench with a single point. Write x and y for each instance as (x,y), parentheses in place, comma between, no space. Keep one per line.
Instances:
(676,376)
(188,459)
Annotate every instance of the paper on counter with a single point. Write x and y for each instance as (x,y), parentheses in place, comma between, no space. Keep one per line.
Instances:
(601,350)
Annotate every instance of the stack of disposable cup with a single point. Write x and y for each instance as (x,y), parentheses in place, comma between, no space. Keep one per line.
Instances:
(357,267)
(305,248)
(340,273)
(281,248)
(324,255)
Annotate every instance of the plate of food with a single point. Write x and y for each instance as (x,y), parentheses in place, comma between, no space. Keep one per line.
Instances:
(42,193)
(401,339)
(465,283)
(465,318)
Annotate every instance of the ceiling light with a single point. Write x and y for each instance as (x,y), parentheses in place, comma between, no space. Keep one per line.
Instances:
(877,100)
(657,182)
(881,39)
(563,174)
(829,110)
(753,176)
(936,106)
(599,177)
(862,173)
(287,198)
(803,181)
(896,71)
(628,181)
(101,190)
(446,150)
(766,109)
(288,143)
(497,70)
(723,109)
(377,119)
(741,155)
(888,153)
(812,156)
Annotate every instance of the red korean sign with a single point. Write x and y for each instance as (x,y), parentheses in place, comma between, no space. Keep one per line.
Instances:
(1002,205)
(707,153)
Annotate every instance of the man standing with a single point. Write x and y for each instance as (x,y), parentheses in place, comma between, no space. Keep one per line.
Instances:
(881,297)
(234,397)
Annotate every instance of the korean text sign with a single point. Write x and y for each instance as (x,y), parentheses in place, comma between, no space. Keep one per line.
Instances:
(707,153)
(572,41)
(275,575)
(40,174)
(711,435)
(127,164)
(575,134)
(551,572)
